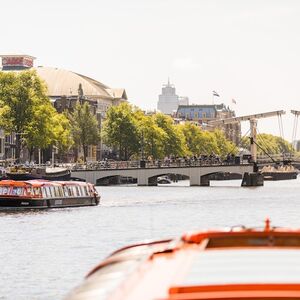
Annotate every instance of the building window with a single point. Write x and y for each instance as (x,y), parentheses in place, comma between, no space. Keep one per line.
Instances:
(204,115)
(196,115)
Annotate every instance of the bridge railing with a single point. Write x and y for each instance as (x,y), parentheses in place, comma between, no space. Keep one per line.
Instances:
(166,163)
(295,157)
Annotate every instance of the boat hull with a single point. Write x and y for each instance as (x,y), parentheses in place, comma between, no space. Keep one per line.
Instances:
(29,176)
(29,203)
(279,175)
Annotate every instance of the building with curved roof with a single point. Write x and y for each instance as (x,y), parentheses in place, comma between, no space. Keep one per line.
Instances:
(65,88)
(63,83)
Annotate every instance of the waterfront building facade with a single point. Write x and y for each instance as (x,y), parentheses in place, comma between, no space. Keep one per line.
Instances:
(201,114)
(168,99)
(65,88)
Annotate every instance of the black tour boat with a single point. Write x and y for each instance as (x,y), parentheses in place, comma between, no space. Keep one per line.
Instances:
(46,173)
(284,172)
(34,194)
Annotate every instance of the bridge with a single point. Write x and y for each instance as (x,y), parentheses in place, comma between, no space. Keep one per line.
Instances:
(199,175)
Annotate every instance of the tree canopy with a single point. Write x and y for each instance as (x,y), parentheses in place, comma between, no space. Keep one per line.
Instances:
(271,144)
(135,134)
(26,110)
(120,130)
(84,127)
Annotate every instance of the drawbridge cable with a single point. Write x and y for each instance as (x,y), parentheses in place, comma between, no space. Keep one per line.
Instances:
(262,141)
(240,142)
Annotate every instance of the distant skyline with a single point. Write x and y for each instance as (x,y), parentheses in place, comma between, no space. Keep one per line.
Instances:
(244,50)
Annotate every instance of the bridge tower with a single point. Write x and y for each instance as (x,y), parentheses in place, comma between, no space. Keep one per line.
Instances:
(253,126)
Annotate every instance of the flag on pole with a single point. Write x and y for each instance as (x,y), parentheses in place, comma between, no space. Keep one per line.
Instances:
(233,101)
(216,94)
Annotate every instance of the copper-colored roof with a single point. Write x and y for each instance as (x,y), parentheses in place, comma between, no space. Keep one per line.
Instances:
(66,83)
(117,93)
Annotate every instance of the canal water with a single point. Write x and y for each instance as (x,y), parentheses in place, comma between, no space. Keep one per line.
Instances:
(44,254)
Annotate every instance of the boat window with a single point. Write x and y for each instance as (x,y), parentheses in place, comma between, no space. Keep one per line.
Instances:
(44,192)
(60,191)
(52,191)
(78,191)
(227,267)
(36,191)
(48,191)
(66,191)
(17,191)
(82,192)
(29,190)
(74,191)
(70,191)
(86,193)
(4,190)
(56,191)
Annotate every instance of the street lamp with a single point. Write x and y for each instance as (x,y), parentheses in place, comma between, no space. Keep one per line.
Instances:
(142,162)
(18,141)
(54,149)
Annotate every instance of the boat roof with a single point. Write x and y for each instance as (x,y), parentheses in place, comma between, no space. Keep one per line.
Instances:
(74,183)
(234,263)
(39,183)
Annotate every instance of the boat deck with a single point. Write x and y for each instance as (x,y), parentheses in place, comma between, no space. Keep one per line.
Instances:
(232,264)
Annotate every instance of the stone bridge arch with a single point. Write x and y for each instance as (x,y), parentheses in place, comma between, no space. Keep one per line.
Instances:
(174,176)
(205,179)
(143,174)
(149,177)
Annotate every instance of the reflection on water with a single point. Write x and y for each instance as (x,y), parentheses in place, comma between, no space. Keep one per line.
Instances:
(45,253)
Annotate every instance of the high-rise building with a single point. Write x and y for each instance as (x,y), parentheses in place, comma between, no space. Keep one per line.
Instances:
(183,100)
(168,100)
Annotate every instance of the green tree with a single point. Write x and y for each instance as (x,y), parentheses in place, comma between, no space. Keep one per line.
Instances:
(192,137)
(151,136)
(200,142)
(120,130)
(173,143)
(224,146)
(23,108)
(39,132)
(271,144)
(85,130)
(208,143)
(62,133)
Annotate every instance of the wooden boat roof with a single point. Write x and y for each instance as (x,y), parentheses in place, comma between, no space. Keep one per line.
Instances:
(232,263)
(75,183)
(12,183)
(39,183)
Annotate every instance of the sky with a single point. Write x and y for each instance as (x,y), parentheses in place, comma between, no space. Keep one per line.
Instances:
(246,50)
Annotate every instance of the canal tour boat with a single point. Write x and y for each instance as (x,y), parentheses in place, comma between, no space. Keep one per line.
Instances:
(33,194)
(46,173)
(234,263)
